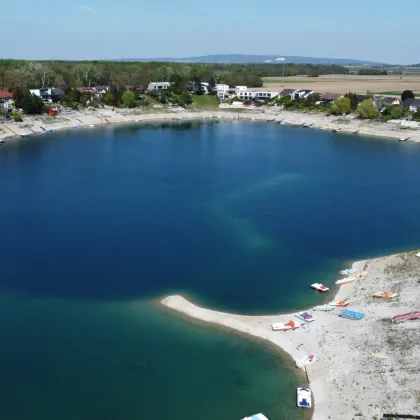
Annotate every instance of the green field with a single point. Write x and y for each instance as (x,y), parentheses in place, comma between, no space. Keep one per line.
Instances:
(393,93)
(271,80)
(205,101)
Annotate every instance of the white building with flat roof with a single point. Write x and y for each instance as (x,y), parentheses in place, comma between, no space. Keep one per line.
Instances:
(222,91)
(263,95)
(158,86)
(239,89)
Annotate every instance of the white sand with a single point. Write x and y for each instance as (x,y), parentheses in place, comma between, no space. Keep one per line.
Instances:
(353,384)
(349,124)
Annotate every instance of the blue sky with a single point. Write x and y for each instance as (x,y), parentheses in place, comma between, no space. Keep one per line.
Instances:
(377,30)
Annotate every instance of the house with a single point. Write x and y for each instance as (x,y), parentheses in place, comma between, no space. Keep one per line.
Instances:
(415,105)
(239,89)
(48,94)
(158,86)
(204,87)
(101,90)
(303,93)
(245,95)
(286,92)
(222,91)
(328,98)
(6,100)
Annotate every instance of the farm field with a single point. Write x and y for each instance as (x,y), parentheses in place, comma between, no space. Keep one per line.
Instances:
(337,83)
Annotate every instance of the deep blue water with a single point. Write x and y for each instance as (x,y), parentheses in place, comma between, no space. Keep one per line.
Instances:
(239,216)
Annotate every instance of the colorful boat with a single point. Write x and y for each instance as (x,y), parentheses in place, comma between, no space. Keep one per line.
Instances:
(307,360)
(258,416)
(304,398)
(325,308)
(319,287)
(285,326)
(410,316)
(357,316)
(385,295)
(305,316)
(340,303)
(345,281)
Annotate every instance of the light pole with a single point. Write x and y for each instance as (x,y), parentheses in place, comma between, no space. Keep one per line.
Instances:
(281,60)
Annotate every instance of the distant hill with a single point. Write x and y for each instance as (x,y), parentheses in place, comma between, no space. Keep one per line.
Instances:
(255,59)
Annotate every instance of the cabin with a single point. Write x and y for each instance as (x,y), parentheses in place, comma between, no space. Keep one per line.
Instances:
(6,101)
(158,86)
(328,98)
(48,95)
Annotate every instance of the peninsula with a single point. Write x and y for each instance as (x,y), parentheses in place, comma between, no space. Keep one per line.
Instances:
(367,367)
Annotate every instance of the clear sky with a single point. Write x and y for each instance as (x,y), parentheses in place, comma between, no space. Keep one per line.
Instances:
(376,30)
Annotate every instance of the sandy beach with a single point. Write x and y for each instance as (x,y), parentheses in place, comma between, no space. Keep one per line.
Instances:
(400,130)
(348,382)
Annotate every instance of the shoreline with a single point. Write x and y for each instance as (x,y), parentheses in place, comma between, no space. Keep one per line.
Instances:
(348,382)
(37,125)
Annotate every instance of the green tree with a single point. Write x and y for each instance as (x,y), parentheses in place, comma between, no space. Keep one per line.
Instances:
(406,95)
(129,99)
(186,97)
(32,104)
(18,96)
(108,99)
(86,73)
(178,83)
(396,112)
(43,75)
(368,110)
(196,85)
(354,100)
(212,86)
(341,106)
(17,117)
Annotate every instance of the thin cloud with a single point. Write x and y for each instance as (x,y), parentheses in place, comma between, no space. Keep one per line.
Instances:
(87,9)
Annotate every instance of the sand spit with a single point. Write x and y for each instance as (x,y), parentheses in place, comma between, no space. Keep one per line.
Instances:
(400,130)
(348,382)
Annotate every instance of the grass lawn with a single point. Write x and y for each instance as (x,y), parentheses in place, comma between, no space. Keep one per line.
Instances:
(205,101)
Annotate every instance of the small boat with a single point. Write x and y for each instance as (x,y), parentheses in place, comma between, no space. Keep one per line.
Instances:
(92,125)
(379,356)
(307,360)
(347,272)
(385,295)
(285,326)
(319,287)
(345,281)
(304,398)
(410,316)
(357,316)
(325,308)
(305,316)
(418,254)
(340,303)
(258,416)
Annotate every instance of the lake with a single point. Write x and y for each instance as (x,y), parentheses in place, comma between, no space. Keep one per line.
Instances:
(97,224)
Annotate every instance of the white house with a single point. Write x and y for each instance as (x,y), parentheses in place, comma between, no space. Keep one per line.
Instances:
(48,94)
(158,86)
(239,89)
(6,99)
(302,93)
(222,91)
(204,87)
(262,95)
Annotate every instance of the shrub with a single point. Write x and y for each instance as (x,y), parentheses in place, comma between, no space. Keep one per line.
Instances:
(341,106)
(396,112)
(17,117)
(367,110)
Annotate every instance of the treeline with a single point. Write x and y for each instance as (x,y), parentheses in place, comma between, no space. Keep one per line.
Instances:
(372,72)
(28,74)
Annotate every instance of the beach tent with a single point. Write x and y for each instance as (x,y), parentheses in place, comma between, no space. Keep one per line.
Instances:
(351,314)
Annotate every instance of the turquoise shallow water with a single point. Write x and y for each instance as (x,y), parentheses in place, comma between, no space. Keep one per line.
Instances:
(96,224)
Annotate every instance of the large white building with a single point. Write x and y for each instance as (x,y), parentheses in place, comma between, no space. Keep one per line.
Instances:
(263,95)
(222,91)
(239,89)
(48,94)
(158,86)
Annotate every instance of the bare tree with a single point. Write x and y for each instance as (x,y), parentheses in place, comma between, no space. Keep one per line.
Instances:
(86,74)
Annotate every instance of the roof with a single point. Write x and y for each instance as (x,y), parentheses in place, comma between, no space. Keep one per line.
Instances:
(99,88)
(331,96)
(409,101)
(4,94)
(287,91)
(57,91)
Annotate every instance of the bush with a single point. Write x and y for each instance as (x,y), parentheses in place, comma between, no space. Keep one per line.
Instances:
(367,110)
(17,117)
(396,112)
(341,106)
